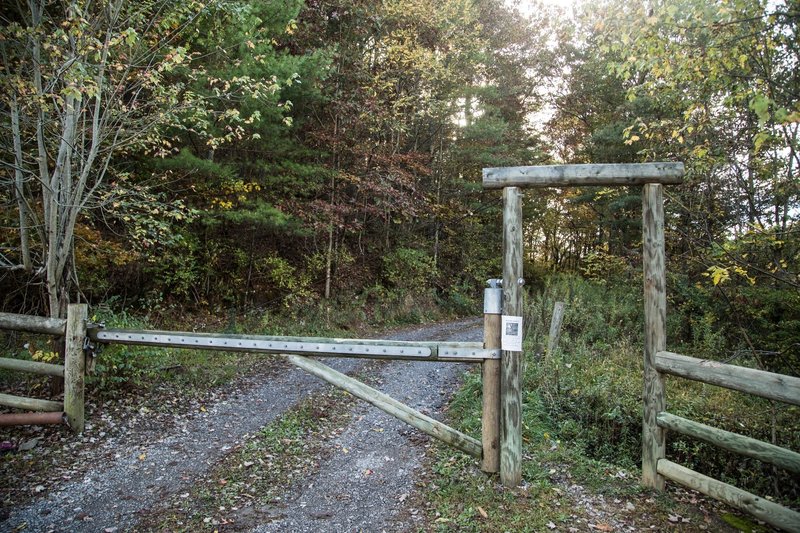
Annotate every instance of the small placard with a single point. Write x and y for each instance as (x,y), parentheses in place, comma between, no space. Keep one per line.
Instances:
(511,338)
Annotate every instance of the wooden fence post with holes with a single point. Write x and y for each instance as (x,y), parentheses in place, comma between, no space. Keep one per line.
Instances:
(75,366)
(490,376)
(511,362)
(655,317)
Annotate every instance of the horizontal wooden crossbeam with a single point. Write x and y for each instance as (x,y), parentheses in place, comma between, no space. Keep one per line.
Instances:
(763,451)
(30,404)
(763,509)
(34,367)
(605,175)
(33,324)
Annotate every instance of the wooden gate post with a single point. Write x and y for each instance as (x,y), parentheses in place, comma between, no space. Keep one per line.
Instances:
(75,366)
(655,318)
(511,362)
(490,378)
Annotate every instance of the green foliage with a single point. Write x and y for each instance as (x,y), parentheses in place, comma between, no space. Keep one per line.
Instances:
(118,367)
(292,285)
(122,370)
(409,270)
(601,351)
(603,267)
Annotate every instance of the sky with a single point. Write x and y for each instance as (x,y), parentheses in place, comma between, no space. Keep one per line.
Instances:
(526,6)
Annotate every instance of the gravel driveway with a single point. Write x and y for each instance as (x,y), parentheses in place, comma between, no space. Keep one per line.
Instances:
(364,489)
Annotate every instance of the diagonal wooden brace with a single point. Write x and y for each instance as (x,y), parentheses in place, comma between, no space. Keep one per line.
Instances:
(386,403)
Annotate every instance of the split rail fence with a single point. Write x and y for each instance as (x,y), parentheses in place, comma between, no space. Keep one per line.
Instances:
(71,335)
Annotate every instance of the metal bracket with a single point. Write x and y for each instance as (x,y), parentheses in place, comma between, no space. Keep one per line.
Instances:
(469,353)
(91,347)
(90,351)
(92,328)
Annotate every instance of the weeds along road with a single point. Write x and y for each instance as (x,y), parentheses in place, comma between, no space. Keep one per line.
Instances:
(358,479)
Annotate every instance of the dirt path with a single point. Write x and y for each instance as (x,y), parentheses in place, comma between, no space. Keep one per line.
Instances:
(362,486)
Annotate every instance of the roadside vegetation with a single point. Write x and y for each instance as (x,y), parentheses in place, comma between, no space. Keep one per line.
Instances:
(582,427)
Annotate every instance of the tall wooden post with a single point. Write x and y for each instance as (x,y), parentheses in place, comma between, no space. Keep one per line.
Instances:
(75,366)
(490,368)
(655,318)
(511,363)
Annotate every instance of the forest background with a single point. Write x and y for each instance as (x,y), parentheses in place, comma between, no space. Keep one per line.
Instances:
(321,161)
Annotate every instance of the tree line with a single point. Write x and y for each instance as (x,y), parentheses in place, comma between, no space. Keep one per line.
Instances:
(238,155)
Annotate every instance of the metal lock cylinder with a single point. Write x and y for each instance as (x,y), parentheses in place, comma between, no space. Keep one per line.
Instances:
(493,297)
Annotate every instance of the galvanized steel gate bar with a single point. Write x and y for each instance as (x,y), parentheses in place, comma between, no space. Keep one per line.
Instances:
(464,352)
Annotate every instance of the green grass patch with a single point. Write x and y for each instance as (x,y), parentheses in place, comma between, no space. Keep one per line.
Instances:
(591,389)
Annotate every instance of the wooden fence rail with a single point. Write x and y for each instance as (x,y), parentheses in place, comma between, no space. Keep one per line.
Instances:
(32,367)
(763,451)
(33,324)
(386,403)
(765,384)
(763,509)
(32,404)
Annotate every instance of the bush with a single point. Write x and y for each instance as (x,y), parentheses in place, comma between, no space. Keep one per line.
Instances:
(409,270)
(119,366)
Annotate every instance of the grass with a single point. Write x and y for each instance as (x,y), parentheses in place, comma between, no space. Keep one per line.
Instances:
(563,489)
(591,389)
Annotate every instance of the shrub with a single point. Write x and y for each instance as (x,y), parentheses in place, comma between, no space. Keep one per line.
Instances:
(408,269)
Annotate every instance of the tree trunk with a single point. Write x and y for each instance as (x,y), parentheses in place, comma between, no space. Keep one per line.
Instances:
(329,254)
(22,205)
(329,262)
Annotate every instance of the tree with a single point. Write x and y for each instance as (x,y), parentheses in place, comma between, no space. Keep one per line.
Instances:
(82,82)
(715,85)
(86,84)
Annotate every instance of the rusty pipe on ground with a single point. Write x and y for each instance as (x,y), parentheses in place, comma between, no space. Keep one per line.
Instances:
(32,419)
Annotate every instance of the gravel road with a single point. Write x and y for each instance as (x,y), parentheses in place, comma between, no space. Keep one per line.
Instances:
(362,489)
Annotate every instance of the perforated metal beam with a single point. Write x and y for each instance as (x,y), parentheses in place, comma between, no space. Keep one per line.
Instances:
(359,348)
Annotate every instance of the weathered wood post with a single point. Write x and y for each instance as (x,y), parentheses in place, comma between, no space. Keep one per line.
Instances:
(490,378)
(655,319)
(511,362)
(75,366)
(555,329)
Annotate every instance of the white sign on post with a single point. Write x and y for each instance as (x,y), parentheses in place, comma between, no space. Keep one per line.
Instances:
(511,338)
